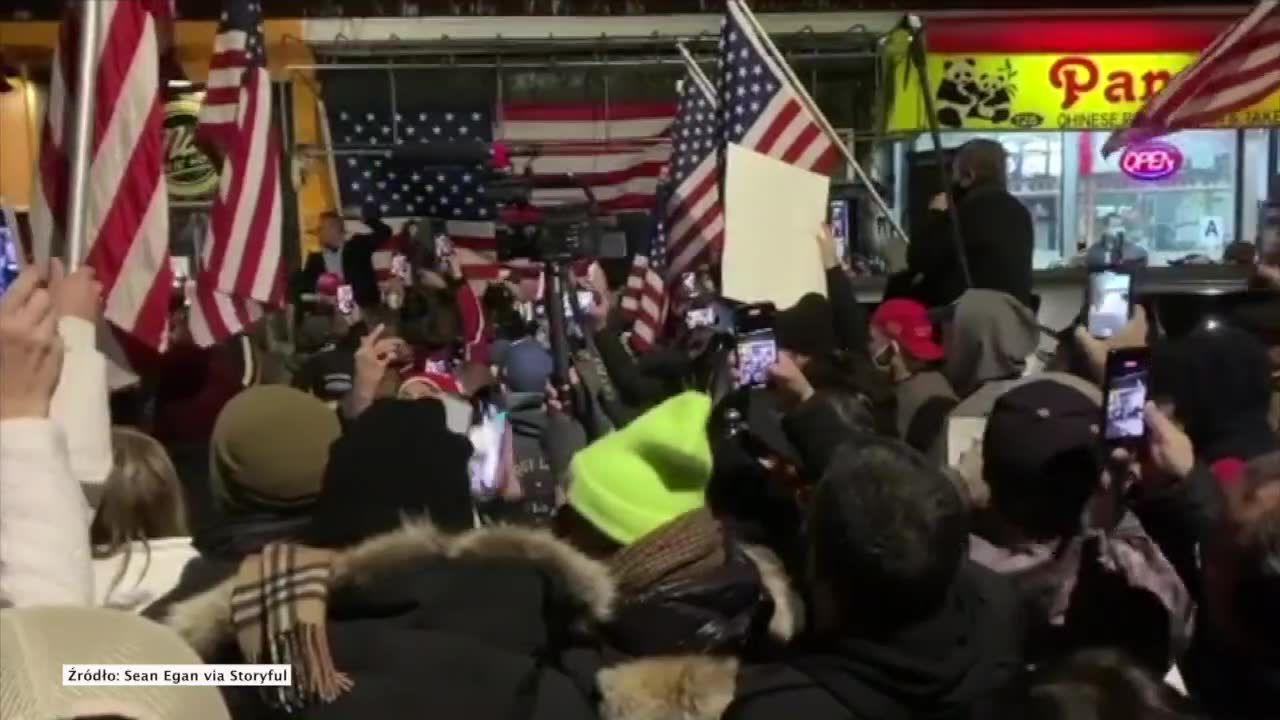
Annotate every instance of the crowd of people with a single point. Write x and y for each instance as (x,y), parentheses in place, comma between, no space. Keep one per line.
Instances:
(422,514)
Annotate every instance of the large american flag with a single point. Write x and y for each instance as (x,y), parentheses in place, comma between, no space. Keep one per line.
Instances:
(759,107)
(695,215)
(127,210)
(241,270)
(1238,69)
(619,151)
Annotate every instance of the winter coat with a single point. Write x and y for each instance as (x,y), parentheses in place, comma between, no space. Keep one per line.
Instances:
(999,242)
(954,664)
(497,622)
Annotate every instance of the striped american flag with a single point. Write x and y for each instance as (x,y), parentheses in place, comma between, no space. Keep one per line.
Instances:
(1238,69)
(759,107)
(645,300)
(126,207)
(240,273)
(695,215)
(618,149)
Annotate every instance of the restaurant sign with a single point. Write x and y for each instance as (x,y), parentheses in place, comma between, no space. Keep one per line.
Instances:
(189,173)
(1051,92)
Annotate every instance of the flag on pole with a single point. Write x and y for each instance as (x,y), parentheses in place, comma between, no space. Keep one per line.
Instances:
(126,206)
(1238,69)
(241,269)
(645,300)
(695,216)
(760,109)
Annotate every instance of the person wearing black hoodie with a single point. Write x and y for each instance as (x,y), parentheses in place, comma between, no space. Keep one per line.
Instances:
(904,625)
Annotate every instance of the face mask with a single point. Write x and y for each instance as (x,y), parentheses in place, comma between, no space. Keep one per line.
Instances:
(883,359)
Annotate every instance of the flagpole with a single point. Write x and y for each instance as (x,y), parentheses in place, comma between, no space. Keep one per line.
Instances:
(708,88)
(75,242)
(812,107)
(827,128)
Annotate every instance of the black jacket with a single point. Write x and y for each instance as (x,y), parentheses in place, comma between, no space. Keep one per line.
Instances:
(999,241)
(357,263)
(1181,518)
(454,626)
(955,664)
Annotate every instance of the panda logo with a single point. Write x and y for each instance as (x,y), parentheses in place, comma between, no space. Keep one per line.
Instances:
(958,93)
(995,96)
(966,93)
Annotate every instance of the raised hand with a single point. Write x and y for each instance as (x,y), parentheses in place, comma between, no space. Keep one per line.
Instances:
(30,349)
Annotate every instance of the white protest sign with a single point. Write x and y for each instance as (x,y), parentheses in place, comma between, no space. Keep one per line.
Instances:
(773,212)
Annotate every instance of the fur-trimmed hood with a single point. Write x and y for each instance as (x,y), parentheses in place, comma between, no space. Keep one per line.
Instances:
(666,688)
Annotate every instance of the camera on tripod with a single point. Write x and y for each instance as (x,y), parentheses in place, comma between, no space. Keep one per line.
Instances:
(561,233)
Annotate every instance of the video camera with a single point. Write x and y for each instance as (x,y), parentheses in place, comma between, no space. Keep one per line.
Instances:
(561,233)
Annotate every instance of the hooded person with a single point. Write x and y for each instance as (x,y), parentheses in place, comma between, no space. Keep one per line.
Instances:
(904,626)
(267,460)
(1227,419)
(1087,570)
(397,602)
(990,344)
(692,598)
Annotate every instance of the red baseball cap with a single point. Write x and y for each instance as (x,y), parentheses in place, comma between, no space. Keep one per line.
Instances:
(907,322)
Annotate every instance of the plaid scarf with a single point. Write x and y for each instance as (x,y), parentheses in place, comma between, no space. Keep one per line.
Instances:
(278,610)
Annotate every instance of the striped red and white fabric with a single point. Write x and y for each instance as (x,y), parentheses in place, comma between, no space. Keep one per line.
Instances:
(644,303)
(618,149)
(1237,70)
(240,275)
(219,111)
(127,209)
(760,108)
(695,214)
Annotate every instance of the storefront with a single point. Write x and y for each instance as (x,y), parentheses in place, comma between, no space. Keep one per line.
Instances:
(1052,89)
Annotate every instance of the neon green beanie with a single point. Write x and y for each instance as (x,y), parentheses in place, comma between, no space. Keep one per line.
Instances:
(632,481)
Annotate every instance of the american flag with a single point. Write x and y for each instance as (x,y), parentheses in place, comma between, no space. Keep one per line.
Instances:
(695,215)
(759,107)
(1238,69)
(402,186)
(127,210)
(618,149)
(241,260)
(645,300)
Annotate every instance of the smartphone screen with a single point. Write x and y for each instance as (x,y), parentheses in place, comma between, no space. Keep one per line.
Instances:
(757,352)
(838,218)
(1126,396)
(346,300)
(1110,302)
(700,317)
(585,300)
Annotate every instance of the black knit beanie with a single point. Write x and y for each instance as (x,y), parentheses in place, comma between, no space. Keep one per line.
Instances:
(397,460)
(807,327)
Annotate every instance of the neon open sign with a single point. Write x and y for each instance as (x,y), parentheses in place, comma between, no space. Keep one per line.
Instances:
(1151,161)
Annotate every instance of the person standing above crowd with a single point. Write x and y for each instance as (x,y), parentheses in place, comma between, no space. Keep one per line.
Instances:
(995,228)
(327,259)
(903,349)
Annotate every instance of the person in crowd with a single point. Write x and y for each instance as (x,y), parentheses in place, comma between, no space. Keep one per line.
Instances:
(1089,573)
(267,458)
(326,260)
(991,339)
(140,538)
(1103,685)
(1222,539)
(1227,419)
(1262,319)
(526,372)
(995,228)
(903,348)
(44,546)
(38,644)
(357,258)
(904,626)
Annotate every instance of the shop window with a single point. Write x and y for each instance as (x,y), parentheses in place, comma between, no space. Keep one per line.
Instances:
(1182,209)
